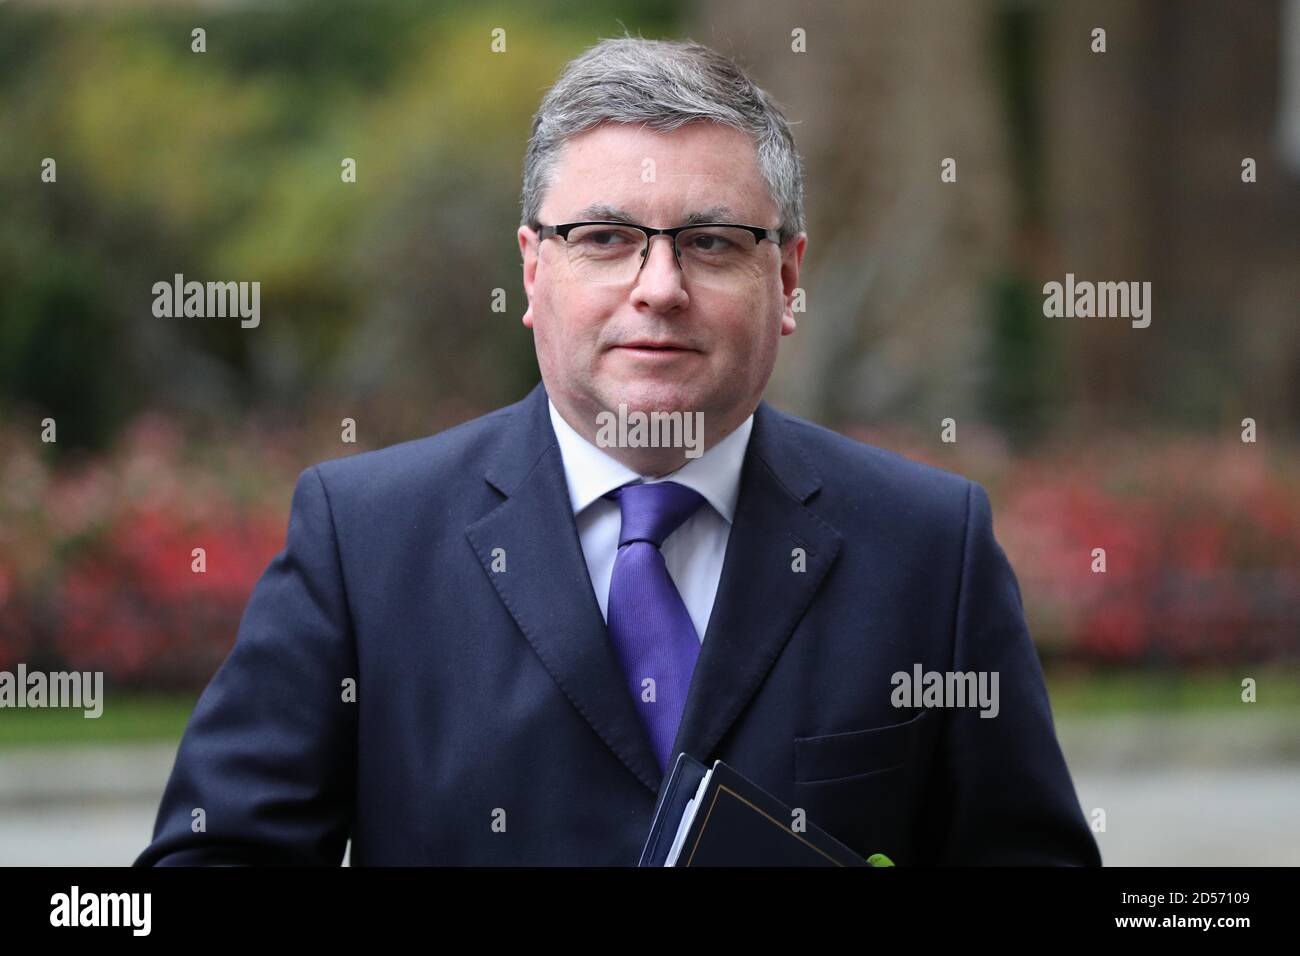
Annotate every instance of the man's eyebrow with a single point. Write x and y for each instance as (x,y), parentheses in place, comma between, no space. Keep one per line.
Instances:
(712,214)
(600,210)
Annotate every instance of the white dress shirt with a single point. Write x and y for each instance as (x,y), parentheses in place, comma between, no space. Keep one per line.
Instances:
(694,552)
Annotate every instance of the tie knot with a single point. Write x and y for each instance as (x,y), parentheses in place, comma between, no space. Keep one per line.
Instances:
(651,512)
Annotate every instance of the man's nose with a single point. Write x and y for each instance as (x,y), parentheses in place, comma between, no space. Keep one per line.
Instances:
(659,278)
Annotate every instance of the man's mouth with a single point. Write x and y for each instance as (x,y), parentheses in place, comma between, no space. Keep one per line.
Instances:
(652,347)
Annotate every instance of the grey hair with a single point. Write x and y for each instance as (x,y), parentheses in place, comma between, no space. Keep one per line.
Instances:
(662,84)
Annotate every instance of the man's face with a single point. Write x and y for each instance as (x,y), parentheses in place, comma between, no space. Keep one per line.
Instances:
(585,333)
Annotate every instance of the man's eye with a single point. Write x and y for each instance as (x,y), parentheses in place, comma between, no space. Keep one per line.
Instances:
(603,237)
(710,243)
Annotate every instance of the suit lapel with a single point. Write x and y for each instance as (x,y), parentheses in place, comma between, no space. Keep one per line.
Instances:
(546,586)
(760,596)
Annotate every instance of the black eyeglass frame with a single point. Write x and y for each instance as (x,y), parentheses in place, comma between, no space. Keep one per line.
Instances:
(562,230)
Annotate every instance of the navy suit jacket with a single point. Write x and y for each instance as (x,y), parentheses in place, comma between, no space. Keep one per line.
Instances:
(491,724)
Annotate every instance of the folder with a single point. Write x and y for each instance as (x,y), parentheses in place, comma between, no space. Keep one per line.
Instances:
(715,816)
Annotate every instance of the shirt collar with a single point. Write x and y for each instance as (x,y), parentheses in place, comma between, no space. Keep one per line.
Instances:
(591,473)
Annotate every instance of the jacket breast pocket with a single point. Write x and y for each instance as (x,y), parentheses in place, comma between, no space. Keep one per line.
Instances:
(856,753)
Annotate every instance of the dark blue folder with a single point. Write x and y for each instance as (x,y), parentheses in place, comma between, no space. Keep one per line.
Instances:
(735,823)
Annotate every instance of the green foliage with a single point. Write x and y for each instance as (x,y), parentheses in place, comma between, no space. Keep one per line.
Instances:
(53,332)
(127,718)
(225,165)
(1019,393)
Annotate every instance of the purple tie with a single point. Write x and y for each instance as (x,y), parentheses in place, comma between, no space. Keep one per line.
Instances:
(648,622)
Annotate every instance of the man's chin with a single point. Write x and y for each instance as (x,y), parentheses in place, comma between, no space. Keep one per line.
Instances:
(653,397)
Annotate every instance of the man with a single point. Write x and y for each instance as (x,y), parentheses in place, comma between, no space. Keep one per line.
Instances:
(486,646)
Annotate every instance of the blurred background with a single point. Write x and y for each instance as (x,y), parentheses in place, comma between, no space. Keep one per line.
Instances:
(924,302)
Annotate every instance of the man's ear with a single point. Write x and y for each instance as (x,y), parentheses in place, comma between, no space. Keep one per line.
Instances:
(791,261)
(528,249)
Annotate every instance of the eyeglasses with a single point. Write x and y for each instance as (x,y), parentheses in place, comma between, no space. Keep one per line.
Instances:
(719,255)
